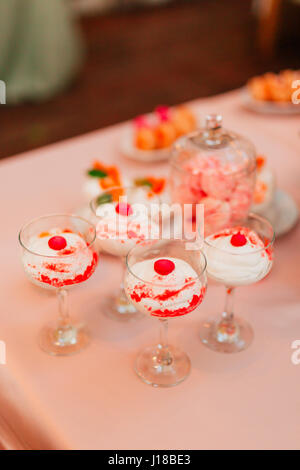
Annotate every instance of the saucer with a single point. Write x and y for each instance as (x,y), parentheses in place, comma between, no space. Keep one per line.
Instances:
(268,107)
(283,214)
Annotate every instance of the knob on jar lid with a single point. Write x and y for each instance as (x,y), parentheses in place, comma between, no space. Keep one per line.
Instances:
(213,121)
(213,139)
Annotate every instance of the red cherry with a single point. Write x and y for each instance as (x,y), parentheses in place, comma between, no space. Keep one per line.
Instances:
(238,239)
(124,209)
(164,266)
(57,243)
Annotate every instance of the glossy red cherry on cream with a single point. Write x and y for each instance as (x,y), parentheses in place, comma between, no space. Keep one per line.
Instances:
(164,266)
(238,239)
(57,243)
(124,209)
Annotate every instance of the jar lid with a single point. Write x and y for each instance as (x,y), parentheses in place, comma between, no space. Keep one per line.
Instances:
(229,148)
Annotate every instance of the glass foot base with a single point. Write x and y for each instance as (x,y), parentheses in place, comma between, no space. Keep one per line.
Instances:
(214,335)
(158,375)
(120,309)
(63,342)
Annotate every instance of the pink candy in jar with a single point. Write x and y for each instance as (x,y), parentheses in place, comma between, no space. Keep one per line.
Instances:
(214,167)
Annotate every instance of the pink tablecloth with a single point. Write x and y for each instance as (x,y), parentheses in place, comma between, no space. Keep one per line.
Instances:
(94,400)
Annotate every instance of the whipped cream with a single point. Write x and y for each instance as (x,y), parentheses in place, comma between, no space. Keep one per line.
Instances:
(71,265)
(117,233)
(91,188)
(237,265)
(171,295)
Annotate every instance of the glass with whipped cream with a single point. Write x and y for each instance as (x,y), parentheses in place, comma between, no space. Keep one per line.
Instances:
(164,280)
(58,251)
(124,217)
(214,167)
(237,255)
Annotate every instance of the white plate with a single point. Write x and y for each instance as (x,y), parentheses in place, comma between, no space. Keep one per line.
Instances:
(128,149)
(268,107)
(283,214)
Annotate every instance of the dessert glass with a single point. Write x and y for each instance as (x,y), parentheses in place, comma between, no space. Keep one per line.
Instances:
(214,167)
(118,232)
(164,297)
(58,251)
(236,265)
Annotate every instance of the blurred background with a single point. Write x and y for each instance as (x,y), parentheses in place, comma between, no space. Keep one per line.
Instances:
(73,66)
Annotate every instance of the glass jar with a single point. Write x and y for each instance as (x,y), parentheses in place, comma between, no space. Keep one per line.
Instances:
(217,168)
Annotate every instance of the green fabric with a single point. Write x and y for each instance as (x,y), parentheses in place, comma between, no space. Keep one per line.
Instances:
(40,48)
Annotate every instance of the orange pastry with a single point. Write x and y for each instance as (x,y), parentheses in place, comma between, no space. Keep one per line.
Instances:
(108,176)
(165,135)
(273,87)
(183,120)
(145,139)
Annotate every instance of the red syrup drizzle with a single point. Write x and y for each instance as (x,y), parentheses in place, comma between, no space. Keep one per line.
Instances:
(132,234)
(196,300)
(58,267)
(269,249)
(142,292)
(76,280)
(229,231)
(253,238)
(145,293)
(172,293)
(67,251)
(138,297)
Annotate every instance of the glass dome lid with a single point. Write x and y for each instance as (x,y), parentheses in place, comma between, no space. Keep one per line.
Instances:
(232,152)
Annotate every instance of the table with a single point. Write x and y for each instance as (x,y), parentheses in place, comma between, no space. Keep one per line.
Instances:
(93,400)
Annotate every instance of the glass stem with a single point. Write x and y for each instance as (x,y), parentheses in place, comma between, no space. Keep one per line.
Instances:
(123,259)
(229,301)
(122,303)
(227,331)
(163,354)
(63,308)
